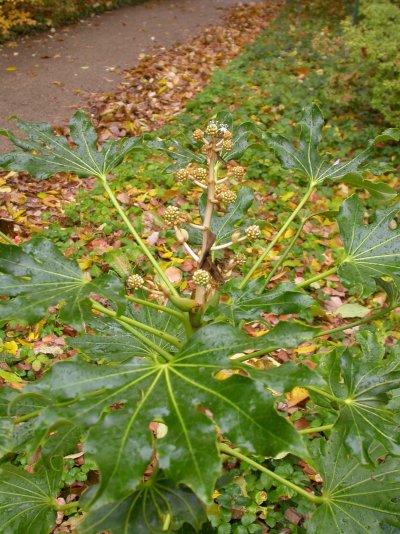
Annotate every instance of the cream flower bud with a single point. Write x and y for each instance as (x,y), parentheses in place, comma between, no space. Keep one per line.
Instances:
(181,235)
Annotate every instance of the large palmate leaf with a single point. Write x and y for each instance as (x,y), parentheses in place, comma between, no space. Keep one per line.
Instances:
(27,502)
(185,394)
(38,276)
(248,303)
(223,226)
(372,250)
(44,153)
(156,506)
(307,160)
(358,499)
(361,383)
(113,343)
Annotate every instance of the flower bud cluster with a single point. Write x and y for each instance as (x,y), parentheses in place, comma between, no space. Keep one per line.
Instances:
(223,194)
(201,278)
(173,216)
(135,281)
(240,259)
(253,232)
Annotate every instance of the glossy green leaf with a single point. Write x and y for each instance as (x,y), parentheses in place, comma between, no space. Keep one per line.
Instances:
(179,153)
(240,136)
(248,303)
(372,250)
(27,500)
(113,343)
(223,226)
(359,499)
(157,506)
(307,160)
(38,276)
(43,153)
(141,391)
(361,381)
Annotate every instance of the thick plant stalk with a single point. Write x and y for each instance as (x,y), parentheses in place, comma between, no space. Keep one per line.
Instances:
(201,293)
(304,493)
(303,201)
(137,237)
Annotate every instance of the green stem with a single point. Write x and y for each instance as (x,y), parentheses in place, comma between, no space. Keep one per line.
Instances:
(311,430)
(137,237)
(182,316)
(65,507)
(372,317)
(7,239)
(287,251)
(317,277)
(279,234)
(142,326)
(145,340)
(325,394)
(27,416)
(236,454)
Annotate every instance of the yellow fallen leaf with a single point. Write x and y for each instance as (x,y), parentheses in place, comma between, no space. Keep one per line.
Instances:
(10,69)
(10,347)
(306,350)
(315,265)
(84,264)
(287,196)
(289,233)
(296,396)
(223,374)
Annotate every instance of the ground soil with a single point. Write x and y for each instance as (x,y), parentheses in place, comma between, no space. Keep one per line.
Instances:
(44,77)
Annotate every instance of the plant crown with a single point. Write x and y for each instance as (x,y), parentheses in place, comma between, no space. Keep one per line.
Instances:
(166,386)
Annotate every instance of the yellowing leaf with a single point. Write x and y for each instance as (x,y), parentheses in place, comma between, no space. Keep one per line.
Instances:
(287,196)
(10,347)
(11,69)
(10,378)
(315,265)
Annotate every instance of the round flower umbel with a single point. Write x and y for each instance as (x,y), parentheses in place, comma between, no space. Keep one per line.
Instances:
(212,129)
(226,195)
(253,232)
(238,172)
(198,135)
(135,281)
(200,174)
(182,175)
(201,278)
(227,144)
(240,259)
(173,216)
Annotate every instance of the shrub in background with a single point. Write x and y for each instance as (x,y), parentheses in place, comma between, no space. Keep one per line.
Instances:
(375,51)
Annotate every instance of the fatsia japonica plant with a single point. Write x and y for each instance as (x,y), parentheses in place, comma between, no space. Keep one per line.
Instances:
(166,386)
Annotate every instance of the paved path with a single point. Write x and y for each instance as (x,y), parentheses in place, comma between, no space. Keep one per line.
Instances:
(41,78)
